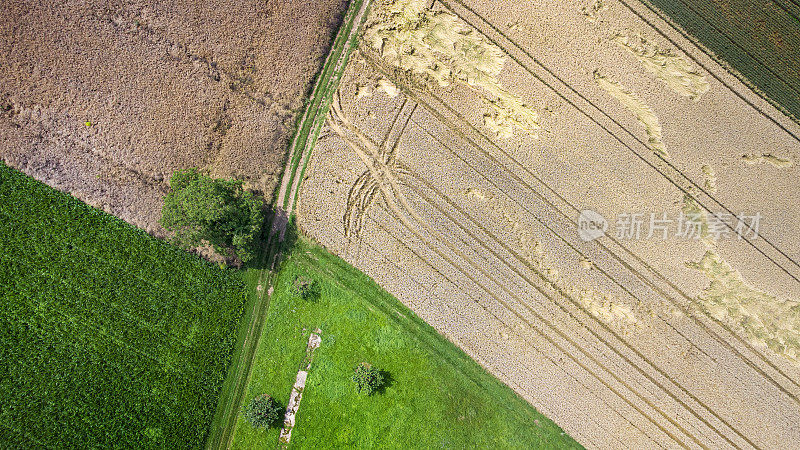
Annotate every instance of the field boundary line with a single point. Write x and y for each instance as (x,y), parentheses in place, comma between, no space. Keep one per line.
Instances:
(230,398)
(319,104)
(725,66)
(138,275)
(312,104)
(329,92)
(416,328)
(528,343)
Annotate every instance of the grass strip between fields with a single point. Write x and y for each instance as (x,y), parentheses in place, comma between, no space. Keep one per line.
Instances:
(437,395)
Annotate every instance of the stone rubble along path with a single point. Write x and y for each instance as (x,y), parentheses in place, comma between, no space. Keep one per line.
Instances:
(314,341)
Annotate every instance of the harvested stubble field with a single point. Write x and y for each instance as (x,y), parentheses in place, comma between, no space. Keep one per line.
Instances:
(465,140)
(104,100)
(109,338)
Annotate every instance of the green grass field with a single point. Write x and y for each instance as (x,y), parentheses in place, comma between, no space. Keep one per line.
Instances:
(110,338)
(437,396)
(760,39)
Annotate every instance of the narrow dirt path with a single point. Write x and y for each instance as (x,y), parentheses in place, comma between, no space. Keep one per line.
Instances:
(224,422)
(320,103)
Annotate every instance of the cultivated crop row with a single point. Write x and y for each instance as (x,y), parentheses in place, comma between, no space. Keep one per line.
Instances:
(111,337)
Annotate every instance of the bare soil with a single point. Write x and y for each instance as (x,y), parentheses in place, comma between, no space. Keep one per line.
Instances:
(105,100)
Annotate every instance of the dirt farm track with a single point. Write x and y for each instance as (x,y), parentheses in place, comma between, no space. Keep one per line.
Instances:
(455,175)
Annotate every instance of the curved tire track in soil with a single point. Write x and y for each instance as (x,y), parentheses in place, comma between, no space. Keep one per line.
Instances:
(402,211)
(377,64)
(397,212)
(455,249)
(458,260)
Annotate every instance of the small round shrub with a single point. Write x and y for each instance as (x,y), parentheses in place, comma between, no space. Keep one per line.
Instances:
(303,287)
(368,379)
(262,411)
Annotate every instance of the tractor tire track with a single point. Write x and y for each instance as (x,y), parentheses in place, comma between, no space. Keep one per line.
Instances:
(686,189)
(530,325)
(459,287)
(403,212)
(453,127)
(547,325)
(577,305)
(603,271)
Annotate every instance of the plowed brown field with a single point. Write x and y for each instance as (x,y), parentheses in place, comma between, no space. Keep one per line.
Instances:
(106,99)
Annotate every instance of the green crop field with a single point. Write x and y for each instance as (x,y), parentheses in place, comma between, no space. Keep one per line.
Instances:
(760,39)
(437,397)
(109,338)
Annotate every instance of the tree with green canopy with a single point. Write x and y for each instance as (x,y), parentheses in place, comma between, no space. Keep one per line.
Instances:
(262,411)
(200,209)
(367,378)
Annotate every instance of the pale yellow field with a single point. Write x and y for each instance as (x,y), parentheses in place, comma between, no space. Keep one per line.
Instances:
(466,139)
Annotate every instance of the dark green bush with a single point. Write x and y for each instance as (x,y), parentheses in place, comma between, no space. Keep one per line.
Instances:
(303,287)
(262,411)
(200,209)
(368,379)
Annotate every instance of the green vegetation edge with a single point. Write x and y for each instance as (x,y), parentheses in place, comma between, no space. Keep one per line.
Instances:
(439,396)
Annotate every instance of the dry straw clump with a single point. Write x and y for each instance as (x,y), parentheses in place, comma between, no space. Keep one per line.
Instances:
(440,48)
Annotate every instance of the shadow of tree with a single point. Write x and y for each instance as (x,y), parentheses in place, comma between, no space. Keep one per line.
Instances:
(277,223)
(388,381)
